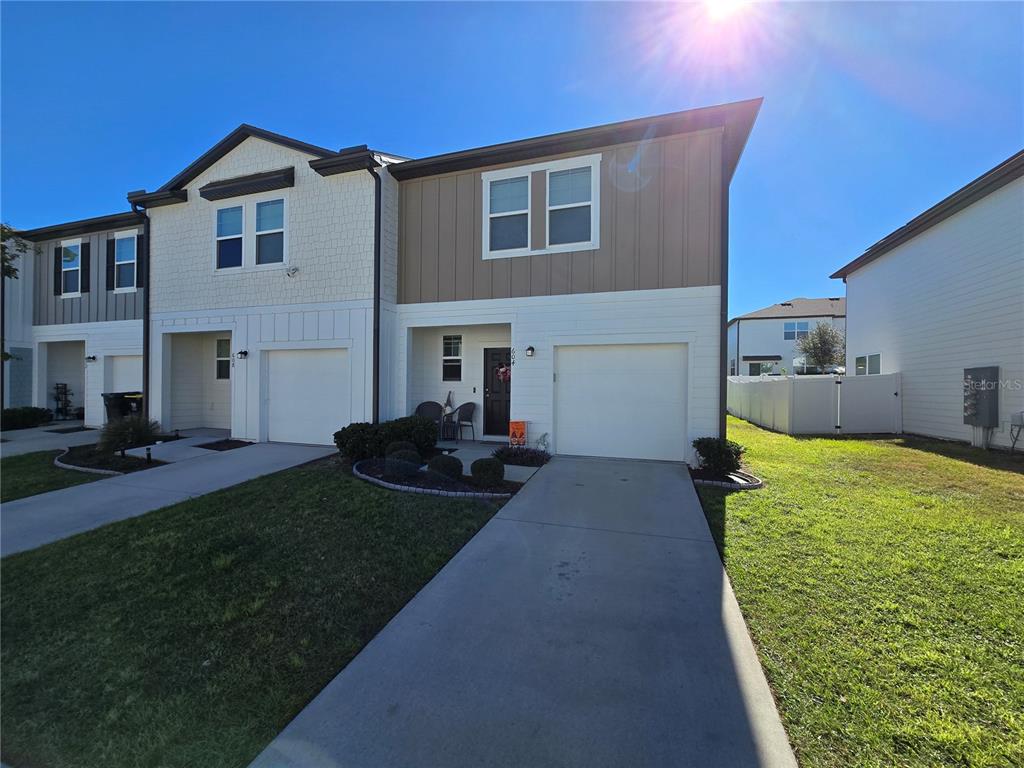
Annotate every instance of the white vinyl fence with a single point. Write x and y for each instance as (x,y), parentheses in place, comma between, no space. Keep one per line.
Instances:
(819,405)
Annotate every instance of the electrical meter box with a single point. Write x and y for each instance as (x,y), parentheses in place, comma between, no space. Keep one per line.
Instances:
(981,396)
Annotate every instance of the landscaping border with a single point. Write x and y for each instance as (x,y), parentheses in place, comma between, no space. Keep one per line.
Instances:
(90,470)
(427,491)
(751,483)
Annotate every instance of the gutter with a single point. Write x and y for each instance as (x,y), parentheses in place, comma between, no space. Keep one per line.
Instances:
(145,308)
(376,292)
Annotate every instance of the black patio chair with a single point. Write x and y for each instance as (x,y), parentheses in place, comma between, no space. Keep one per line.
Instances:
(461,418)
(434,412)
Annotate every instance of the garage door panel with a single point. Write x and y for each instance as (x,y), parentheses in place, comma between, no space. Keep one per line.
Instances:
(308,395)
(625,400)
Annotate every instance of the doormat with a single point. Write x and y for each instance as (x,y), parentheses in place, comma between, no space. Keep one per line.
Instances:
(69,430)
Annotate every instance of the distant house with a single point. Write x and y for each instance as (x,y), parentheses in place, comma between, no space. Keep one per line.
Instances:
(941,294)
(765,341)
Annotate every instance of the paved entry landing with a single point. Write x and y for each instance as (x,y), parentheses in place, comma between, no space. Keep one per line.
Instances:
(589,623)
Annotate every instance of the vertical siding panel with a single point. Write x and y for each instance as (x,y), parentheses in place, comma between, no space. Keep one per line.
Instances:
(625,220)
(698,212)
(582,271)
(538,210)
(429,275)
(413,241)
(715,200)
(540,275)
(481,268)
(266,327)
(561,268)
(464,218)
(500,278)
(649,234)
(446,202)
(672,203)
(519,277)
(602,257)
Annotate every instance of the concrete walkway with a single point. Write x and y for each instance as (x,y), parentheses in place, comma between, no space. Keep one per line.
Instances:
(37,520)
(590,623)
(19,441)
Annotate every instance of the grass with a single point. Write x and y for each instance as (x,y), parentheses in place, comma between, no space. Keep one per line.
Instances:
(190,636)
(882,581)
(33,473)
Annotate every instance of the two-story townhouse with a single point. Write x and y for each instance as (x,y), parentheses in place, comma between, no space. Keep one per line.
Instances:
(766,340)
(267,257)
(86,280)
(575,281)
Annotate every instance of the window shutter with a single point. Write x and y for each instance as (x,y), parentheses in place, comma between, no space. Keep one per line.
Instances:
(57,287)
(110,264)
(84,276)
(140,262)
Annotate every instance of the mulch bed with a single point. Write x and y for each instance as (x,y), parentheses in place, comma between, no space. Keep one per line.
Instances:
(434,481)
(707,474)
(224,445)
(69,430)
(88,457)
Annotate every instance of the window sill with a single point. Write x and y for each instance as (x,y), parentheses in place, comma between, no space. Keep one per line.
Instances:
(567,248)
(71,295)
(268,267)
(125,290)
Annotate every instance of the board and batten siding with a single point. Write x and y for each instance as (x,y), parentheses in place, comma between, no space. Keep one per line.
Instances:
(98,304)
(660,220)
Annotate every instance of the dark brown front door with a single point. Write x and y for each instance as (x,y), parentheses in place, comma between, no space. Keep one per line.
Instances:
(497,393)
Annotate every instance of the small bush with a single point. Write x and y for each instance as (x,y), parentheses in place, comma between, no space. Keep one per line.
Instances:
(718,454)
(355,442)
(488,471)
(400,445)
(25,417)
(520,456)
(402,464)
(449,466)
(364,441)
(129,432)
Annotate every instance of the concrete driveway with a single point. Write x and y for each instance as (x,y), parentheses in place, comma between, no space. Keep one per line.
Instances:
(44,438)
(37,520)
(590,623)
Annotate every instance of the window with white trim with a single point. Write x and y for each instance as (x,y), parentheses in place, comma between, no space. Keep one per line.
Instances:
(451,358)
(71,268)
(508,223)
(270,232)
(124,261)
(569,206)
(229,237)
(223,358)
(870,365)
(795,330)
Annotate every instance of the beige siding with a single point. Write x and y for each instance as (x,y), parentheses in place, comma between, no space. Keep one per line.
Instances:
(659,219)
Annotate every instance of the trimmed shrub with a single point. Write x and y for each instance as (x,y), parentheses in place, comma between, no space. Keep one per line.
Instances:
(402,464)
(488,471)
(449,466)
(400,445)
(365,441)
(520,456)
(130,432)
(718,454)
(356,441)
(25,417)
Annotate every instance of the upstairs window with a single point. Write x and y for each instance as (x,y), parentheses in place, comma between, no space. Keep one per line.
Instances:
(868,365)
(509,214)
(795,330)
(71,268)
(229,237)
(451,358)
(124,262)
(569,209)
(223,358)
(270,232)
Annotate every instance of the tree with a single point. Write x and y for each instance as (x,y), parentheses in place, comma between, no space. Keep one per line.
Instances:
(11,247)
(823,346)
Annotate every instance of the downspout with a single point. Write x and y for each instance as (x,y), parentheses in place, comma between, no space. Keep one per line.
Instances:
(376,293)
(724,314)
(145,309)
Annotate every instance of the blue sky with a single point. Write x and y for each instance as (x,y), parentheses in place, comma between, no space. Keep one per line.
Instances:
(873,111)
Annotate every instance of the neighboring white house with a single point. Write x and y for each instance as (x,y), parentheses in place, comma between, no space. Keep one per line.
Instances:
(944,293)
(765,340)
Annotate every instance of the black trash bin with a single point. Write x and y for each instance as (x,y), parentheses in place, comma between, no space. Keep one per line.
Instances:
(121,404)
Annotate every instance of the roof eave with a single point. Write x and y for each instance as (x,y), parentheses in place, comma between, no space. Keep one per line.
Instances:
(81,227)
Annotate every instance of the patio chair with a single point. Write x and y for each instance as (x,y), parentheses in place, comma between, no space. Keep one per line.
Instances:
(434,412)
(461,418)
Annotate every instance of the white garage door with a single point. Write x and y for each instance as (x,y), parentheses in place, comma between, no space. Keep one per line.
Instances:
(308,395)
(625,400)
(125,373)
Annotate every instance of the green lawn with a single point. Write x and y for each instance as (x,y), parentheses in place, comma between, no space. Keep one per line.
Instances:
(33,473)
(883,583)
(190,636)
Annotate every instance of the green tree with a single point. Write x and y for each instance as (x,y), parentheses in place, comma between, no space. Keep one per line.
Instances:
(824,345)
(11,247)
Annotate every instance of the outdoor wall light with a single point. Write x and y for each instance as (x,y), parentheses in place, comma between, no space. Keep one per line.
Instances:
(242,354)
(529,351)
(90,358)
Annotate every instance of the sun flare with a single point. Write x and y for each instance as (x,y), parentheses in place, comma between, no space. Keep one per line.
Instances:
(719,10)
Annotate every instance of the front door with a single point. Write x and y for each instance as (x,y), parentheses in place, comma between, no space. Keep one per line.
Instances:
(497,390)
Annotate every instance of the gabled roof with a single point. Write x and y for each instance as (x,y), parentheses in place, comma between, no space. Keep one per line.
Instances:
(984,185)
(82,226)
(834,306)
(737,118)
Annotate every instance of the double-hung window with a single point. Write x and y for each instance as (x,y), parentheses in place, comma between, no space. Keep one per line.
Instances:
(451,358)
(795,330)
(229,237)
(270,232)
(569,206)
(71,268)
(223,358)
(124,261)
(508,220)
(868,365)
